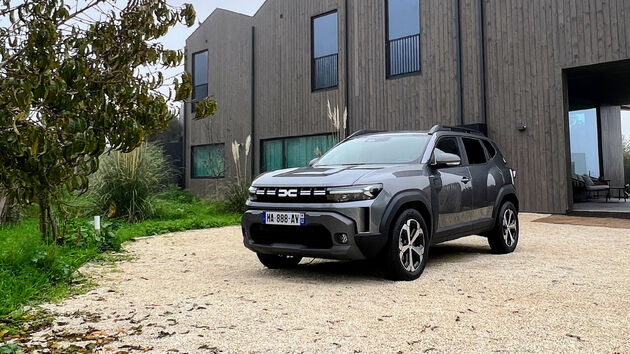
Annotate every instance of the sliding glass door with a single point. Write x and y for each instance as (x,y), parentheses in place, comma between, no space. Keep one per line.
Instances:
(584,134)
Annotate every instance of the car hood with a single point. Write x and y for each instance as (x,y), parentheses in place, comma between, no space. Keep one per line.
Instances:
(318,176)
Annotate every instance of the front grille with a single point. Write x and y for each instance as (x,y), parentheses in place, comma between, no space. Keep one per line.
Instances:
(311,236)
(291,195)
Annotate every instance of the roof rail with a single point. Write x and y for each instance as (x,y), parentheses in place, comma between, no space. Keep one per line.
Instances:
(447,128)
(361,132)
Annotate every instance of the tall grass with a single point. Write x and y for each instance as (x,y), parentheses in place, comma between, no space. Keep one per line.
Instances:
(126,182)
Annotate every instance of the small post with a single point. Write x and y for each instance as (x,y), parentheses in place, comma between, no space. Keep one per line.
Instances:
(97,223)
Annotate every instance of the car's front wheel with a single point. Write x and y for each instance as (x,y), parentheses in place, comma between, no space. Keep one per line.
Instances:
(273,261)
(408,250)
(504,237)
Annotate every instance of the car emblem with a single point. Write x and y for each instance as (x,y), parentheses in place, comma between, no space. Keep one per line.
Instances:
(291,193)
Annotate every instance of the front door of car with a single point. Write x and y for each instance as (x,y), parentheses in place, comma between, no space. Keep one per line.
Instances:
(483,201)
(451,191)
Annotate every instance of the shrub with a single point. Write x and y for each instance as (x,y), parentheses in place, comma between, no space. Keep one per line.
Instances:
(235,196)
(125,183)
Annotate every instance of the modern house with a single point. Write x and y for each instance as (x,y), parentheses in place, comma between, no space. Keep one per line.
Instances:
(547,78)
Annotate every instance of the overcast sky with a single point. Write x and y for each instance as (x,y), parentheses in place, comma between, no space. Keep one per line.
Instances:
(625,123)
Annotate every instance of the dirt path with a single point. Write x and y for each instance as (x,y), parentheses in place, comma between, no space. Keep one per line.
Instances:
(567,288)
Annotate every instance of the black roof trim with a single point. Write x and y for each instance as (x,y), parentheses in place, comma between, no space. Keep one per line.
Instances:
(447,128)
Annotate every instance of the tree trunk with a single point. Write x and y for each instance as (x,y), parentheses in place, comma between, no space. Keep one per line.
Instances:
(3,207)
(42,219)
(53,224)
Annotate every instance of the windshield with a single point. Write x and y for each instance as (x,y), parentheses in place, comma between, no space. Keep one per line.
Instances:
(377,149)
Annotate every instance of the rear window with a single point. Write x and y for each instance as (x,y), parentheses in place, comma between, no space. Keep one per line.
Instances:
(491,150)
(474,150)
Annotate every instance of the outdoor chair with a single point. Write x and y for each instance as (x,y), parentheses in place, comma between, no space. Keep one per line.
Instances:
(595,186)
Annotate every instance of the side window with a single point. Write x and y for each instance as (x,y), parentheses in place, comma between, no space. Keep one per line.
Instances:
(448,145)
(474,150)
(491,150)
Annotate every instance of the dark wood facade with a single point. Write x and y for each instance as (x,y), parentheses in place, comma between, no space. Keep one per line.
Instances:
(502,62)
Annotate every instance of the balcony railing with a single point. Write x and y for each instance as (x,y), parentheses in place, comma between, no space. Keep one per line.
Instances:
(325,72)
(403,55)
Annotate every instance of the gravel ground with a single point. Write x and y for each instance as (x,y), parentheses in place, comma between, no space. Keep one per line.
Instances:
(565,289)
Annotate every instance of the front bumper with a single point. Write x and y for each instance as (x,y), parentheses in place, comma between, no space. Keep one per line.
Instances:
(294,240)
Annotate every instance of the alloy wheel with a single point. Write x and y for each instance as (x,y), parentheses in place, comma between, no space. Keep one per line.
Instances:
(509,227)
(411,245)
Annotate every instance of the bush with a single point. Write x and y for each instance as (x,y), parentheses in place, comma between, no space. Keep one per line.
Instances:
(125,184)
(235,196)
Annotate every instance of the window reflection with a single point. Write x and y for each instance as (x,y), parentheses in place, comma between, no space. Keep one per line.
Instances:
(584,136)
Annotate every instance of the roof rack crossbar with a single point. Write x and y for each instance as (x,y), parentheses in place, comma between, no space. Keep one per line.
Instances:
(448,128)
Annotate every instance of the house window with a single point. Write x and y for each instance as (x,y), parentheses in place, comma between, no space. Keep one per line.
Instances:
(208,161)
(200,77)
(277,154)
(403,37)
(325,49)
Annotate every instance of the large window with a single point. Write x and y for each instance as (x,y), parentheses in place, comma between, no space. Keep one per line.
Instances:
(403,37)
(200,76)
(584,135)
(325,51)
(208,161)
(277,154)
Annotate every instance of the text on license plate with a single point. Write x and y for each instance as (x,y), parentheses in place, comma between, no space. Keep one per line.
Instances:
(282,218)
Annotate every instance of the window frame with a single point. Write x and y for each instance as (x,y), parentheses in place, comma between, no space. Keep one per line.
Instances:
(193,107)
(284,147)
(192,162)
(388,75)
(313,58)
(483,149)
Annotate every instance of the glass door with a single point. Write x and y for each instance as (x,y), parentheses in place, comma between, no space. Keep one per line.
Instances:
(584,134)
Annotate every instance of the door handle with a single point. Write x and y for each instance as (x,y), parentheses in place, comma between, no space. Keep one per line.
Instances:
(465,180)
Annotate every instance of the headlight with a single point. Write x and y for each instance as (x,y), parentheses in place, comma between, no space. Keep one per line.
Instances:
(353,193)
(252,193)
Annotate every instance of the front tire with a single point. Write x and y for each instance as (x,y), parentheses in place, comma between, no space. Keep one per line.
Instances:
(408,248)
(504,238)
(273,261)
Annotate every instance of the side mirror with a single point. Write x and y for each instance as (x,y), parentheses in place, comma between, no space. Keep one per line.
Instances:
(444,159)
(313,161)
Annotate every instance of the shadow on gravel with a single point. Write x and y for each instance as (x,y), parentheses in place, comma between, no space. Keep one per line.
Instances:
(370,270)
(456,253)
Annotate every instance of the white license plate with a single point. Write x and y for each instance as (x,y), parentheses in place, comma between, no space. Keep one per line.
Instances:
(282,218)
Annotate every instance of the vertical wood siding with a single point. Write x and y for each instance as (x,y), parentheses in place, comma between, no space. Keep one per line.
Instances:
(227,37)
(528,45)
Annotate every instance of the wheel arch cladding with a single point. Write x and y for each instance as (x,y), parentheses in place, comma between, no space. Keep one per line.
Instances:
(401,202)
(506,194)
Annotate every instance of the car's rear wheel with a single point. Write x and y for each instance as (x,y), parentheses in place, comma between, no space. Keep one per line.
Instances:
(408,250)
(504,238)
(273,261)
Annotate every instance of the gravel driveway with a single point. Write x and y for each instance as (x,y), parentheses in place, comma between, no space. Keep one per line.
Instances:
(566,288)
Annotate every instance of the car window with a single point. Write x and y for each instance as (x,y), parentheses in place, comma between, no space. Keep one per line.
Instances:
(474,150)
(377,149)
(448,145)
(491,150)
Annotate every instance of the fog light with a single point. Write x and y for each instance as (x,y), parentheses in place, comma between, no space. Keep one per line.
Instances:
(342,238)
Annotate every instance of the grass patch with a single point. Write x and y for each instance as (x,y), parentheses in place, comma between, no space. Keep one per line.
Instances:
(33,271)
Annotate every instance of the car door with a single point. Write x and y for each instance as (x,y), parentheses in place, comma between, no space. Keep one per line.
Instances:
(452,191)
(482,204)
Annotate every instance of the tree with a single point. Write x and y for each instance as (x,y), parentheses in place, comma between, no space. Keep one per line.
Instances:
(75,83)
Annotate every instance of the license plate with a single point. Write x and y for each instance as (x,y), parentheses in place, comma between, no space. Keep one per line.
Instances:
(282,218)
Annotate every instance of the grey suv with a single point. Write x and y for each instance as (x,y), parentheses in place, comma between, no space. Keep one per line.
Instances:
(386,196)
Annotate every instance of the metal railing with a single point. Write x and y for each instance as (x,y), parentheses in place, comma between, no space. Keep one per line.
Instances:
(403,55)
(325,72)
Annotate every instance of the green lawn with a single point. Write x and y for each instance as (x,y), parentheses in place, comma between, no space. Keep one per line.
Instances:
(33,271)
